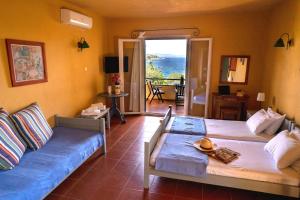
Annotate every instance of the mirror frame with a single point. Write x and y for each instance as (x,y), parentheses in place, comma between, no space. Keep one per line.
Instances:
(247,71)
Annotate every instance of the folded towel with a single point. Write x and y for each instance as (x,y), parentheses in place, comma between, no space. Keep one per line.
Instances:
(97,105)
(90,111)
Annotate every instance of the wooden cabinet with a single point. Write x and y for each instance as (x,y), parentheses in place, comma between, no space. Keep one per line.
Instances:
(229,107)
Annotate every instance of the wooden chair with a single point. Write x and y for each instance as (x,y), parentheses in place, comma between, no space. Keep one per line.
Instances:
(155,91)
(179,95)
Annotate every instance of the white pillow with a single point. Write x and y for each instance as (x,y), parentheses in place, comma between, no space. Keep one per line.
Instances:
(284,149)
(277,121)
(258,122)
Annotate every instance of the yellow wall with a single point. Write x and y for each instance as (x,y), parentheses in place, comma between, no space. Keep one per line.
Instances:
(69,87)
(282,67)
(239,33)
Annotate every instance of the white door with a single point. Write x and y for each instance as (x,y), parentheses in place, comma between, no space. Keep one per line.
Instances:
(131,69)
(198,76)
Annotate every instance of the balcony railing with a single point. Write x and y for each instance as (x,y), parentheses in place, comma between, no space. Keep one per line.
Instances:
(165,81)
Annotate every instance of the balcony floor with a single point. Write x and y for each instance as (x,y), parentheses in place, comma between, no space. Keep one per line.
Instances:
(159,107)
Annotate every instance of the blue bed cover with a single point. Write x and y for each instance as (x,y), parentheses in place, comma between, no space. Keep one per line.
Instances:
(39,172)
(178,157)
(188,125)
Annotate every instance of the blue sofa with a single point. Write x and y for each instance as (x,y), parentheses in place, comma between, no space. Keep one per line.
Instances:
(40,172)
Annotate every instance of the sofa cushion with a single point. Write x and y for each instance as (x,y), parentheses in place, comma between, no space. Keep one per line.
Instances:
(12,146)
(33,126)
(39,172)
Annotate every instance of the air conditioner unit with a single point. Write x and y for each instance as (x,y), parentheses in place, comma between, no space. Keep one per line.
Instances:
(76,19)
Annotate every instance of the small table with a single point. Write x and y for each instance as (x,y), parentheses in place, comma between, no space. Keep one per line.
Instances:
(104,113)
(114,110)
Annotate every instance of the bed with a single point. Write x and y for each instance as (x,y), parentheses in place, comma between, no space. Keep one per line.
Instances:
(226,129)
(242,173)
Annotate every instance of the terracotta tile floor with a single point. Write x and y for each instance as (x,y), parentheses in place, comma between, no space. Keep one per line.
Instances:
(161,107)
(119,174)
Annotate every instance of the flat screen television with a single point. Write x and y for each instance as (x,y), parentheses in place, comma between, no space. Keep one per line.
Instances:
(111,64)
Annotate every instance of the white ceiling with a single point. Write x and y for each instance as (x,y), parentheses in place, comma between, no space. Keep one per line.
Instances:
(161,8)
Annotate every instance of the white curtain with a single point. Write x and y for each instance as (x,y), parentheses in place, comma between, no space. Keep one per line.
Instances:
(134,102)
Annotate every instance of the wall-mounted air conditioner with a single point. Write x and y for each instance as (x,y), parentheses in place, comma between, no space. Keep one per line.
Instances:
(76,19)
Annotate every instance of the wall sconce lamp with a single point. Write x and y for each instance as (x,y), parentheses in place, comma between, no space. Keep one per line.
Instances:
(82,44)
(280,42)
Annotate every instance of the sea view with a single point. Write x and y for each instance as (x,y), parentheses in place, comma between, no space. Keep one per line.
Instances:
(168,65)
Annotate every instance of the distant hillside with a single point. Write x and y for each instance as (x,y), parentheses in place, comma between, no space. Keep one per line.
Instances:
(168,64)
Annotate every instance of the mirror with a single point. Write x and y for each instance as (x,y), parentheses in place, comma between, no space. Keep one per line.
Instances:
(234,69)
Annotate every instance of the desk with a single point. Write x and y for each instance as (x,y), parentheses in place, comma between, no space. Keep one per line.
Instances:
(114,110)
(229,107)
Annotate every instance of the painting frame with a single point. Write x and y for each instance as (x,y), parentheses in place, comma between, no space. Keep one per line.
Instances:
(40,71)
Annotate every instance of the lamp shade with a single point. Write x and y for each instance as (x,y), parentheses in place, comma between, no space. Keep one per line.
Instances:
(261,96)
(279,43)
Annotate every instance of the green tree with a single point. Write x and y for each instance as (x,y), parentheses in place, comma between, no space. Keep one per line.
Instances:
(152,71)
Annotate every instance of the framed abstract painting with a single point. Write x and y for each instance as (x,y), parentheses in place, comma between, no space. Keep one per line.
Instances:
(27,62)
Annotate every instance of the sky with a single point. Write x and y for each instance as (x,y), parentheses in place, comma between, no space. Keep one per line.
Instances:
(175,47)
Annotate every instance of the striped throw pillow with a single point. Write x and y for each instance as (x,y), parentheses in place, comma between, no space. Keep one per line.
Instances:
(33,126)
(4,112)
(12,147)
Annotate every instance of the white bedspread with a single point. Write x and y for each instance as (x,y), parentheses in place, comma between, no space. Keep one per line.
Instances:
(226,129)
(254,163)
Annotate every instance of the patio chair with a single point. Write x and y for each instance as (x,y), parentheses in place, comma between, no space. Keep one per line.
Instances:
(179,95)
(155,91)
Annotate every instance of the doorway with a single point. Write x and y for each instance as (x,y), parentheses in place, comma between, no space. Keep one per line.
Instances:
(165,75)
(190,66)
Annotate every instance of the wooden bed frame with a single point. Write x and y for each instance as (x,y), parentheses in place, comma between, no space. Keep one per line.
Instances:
(240,183)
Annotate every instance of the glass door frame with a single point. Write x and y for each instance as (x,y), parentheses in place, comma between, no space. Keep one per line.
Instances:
(121,42)
(208,81)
